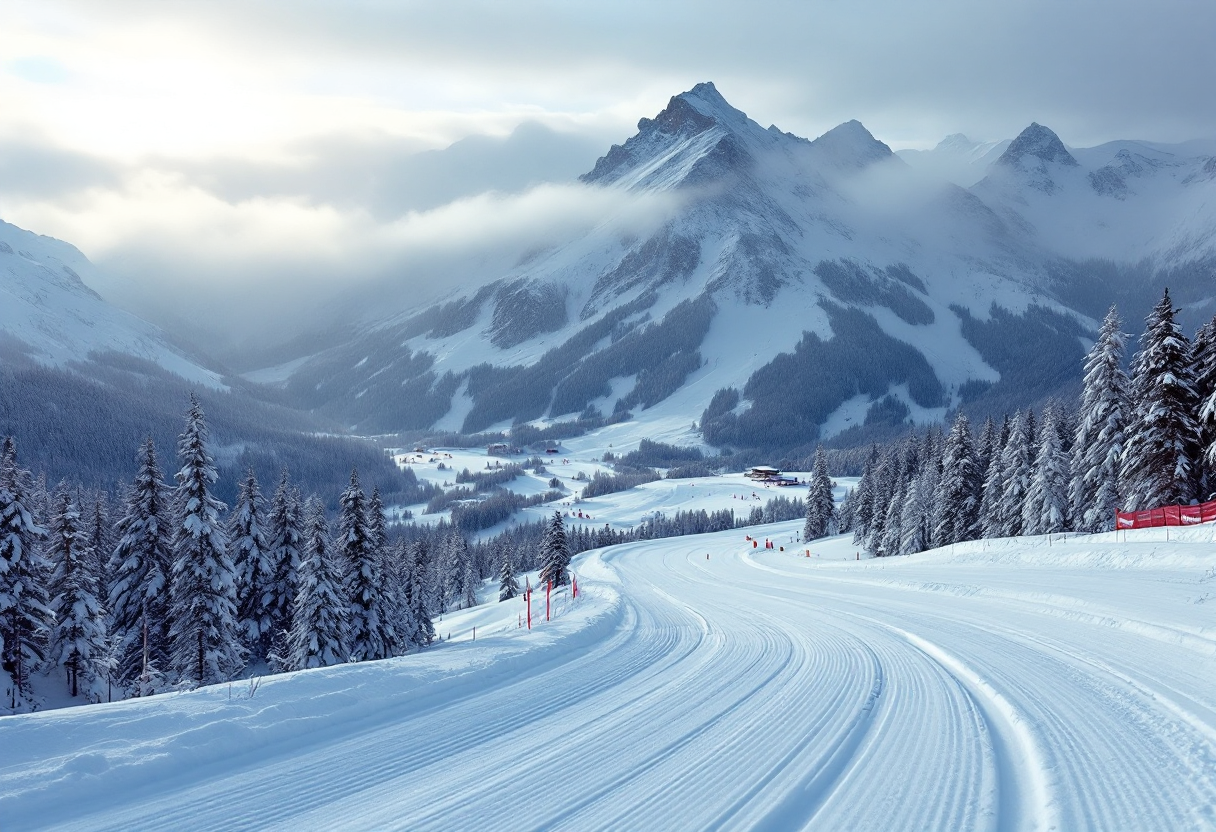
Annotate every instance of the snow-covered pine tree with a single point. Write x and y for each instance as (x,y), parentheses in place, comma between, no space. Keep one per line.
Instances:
(376,522)
(423,630)
(892,524)
(1017,468)
(471,583)
(820,509)
(930,478)
(395,578)
(139,568)
(991,522)
(863,497)
(368,637)
(1097,449)
(25,617)
(320,621)
(100,532)
(1203,351)
(255,568)
(285,542)
(1045,510)
(508,586)
(886,479)
(453,556)
(78,638)
(554,553)
(205,645)
(844,513)
(1159,458)
(959,489)
(913,537)
(986,446)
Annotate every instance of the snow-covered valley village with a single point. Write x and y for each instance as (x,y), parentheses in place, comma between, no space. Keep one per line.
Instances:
(811,485)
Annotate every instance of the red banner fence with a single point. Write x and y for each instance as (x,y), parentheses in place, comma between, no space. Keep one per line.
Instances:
(1166,516)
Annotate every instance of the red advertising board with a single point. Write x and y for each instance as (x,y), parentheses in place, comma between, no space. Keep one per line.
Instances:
(1166,516)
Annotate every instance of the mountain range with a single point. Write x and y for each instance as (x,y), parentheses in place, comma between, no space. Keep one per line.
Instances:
(793,291)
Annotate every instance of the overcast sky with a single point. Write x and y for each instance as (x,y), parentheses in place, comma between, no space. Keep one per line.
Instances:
(207,148)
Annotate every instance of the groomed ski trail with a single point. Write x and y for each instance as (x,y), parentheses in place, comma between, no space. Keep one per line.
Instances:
(750,690)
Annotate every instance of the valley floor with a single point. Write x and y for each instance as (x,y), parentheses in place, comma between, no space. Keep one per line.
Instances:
(700,683)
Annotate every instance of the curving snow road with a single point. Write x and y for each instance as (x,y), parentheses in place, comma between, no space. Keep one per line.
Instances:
(1069,689)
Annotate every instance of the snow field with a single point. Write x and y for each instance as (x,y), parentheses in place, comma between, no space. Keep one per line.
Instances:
(1015,687)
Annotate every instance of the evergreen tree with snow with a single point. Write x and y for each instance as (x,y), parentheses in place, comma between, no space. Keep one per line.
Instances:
(138,569)
(863,497)
(508,586)
(555,553)
(395,577)
(376,522)
(204,642)
(368,636)
(886,481)
(100,532)
(255,568)
(422,631)
(471,583)
(820,509)
(1159,459)
(844,514)
(1097,449)
(892,524)
(959,489)
(320,621)
(991,522)
(913,536)
(1046,508)
(25,616)
(455,569)
(1203,351)
(1017,469)
(78,639)
(930,479)
(285,543)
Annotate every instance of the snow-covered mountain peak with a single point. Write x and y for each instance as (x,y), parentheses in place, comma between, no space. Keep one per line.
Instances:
(1037,142)
(1036,159)
(706,99)
(957,142)
(851,145)
(698,137)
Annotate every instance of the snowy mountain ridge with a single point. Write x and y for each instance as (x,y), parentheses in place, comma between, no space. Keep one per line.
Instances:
(49,315)
(817,285)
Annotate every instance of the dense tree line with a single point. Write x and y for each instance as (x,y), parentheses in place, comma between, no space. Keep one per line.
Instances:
(84,429)
(1136,440)
(161,587)
(172,593)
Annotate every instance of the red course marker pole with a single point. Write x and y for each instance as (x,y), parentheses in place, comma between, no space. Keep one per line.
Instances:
(548,589)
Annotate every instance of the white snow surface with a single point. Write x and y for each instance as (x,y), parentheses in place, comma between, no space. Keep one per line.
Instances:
(46,306)
(700,683)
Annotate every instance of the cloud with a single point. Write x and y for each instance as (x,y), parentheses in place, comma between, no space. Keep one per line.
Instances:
(913,72)
(258,269)
(240,165)
(389,176)
(32,168)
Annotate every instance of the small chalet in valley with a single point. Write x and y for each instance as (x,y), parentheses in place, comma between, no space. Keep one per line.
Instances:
(770,476)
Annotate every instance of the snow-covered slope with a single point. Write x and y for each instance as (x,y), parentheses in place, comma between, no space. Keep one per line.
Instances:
(1027,684)
(917,294)
(956,158)
(49,314)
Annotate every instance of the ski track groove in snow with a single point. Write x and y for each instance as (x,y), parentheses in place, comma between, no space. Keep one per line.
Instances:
(750,691)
